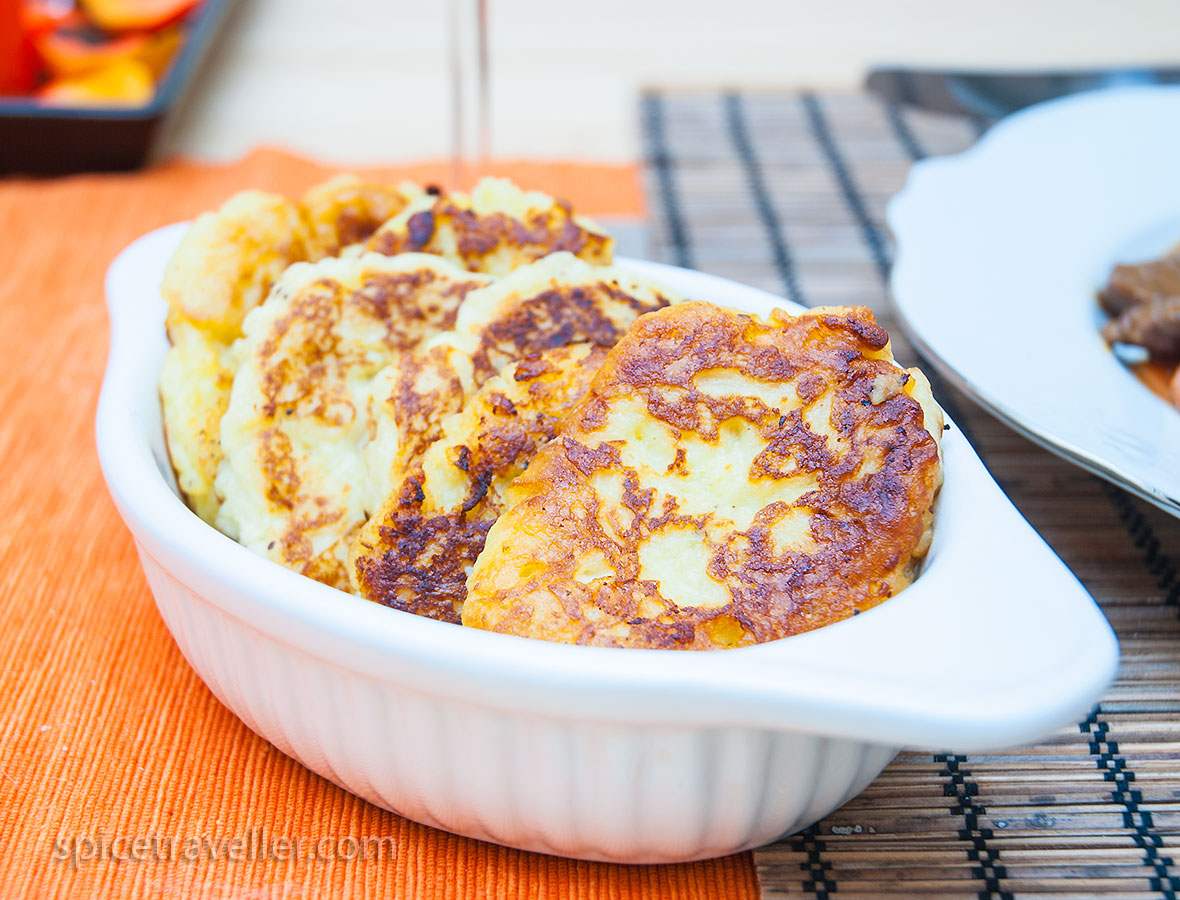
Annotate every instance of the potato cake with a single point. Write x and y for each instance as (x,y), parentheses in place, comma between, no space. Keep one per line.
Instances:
(224,267)
(727,480)
(494,229)
(346,210)
(228,259)
(293,475)
(195,380)
(555,301)
(415,553)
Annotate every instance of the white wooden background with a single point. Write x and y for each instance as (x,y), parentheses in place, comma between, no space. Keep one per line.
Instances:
(366,81)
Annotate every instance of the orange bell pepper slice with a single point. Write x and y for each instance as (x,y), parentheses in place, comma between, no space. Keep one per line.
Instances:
(123,82)
(135,15)
(73,46)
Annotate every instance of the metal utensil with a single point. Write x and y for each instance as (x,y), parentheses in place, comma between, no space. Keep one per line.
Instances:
(992,95)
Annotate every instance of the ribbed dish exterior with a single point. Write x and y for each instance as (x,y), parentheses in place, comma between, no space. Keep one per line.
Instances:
(591,790)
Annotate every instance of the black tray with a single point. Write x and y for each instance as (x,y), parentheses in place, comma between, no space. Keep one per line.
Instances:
(47,140)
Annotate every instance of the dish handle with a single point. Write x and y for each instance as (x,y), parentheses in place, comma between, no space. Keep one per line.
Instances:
(995,644)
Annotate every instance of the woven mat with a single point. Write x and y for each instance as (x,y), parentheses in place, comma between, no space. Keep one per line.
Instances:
(787,192)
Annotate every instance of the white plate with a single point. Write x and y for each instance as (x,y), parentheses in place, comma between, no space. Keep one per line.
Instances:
(1001,250)
(624,755)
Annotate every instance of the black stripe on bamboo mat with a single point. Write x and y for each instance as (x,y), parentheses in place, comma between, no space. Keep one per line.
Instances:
(660,161)
(1114,767)
(987,869)
(784,265)
(904,134)
(1158,563)
(820,883)
(818,123)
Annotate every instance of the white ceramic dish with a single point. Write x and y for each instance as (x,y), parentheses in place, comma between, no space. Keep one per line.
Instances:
(626,755)
(1001,251)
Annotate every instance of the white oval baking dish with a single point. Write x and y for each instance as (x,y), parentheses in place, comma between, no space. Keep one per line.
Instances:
(603,754)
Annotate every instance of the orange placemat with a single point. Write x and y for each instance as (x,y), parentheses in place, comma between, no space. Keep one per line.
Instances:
(120,774)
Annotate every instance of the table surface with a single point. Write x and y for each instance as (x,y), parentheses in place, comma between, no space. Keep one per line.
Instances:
(787,191)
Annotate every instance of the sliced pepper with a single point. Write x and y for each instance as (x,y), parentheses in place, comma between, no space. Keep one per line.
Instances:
(135,15)
(123,82)
(74,46)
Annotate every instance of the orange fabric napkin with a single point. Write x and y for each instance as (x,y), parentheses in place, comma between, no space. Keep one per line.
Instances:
(120,774)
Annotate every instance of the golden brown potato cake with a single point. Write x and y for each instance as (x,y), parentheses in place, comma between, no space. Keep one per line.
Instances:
(415,553)
(228,260)
(346,210)
(408,402)
(727,480)
(495,229)
(195,380)
(293,475)
(224,267)
(555,301)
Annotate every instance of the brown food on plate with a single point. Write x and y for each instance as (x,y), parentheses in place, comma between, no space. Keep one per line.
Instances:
(727,480)
(1144,301)
(415,553)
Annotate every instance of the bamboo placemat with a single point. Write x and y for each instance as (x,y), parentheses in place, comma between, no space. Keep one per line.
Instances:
(787,191)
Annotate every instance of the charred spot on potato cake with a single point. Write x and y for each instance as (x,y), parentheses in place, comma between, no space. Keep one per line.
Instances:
(416,551)
(727,480)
